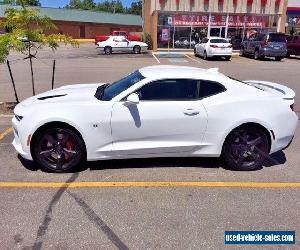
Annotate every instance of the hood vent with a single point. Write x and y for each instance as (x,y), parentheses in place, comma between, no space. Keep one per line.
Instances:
(50,97)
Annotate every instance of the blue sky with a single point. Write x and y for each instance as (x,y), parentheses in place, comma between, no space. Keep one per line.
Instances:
(62,3)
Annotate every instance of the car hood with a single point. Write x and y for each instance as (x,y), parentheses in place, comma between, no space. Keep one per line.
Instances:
(70,93)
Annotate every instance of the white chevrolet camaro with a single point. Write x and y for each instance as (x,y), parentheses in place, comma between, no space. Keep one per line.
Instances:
(157,111)
(121,44)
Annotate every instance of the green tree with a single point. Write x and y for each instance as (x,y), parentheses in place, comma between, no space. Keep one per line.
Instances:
(28,34)
(136,8)
(88,5)
(25,2)
(74,4)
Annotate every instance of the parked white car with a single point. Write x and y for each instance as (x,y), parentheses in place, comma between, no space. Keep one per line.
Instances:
(213,47)
(121,44)
(157,111)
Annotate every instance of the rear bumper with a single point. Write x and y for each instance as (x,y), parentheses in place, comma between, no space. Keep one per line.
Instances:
(273,53)
(284,138)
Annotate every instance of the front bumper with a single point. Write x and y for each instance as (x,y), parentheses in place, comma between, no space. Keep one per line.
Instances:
(19,142)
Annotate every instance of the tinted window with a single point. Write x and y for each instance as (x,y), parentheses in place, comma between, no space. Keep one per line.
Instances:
(277,38)
(171,89)
(116,88)
(218,41)
(208,88)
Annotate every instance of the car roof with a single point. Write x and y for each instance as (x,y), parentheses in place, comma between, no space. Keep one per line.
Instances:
(174,71)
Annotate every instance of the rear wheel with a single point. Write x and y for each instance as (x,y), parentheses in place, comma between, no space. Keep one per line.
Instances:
(137,49)
(107,50)
(278,58)
(242,51)
(246,148)
(256,55)
(227,58)
(59,149)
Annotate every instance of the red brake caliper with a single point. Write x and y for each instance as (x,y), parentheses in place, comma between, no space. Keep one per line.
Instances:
(69,146)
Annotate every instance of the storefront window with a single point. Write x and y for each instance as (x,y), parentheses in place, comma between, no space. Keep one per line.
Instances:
(176,30)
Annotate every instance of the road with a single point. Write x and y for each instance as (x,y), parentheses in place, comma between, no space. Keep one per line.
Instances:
(172,203)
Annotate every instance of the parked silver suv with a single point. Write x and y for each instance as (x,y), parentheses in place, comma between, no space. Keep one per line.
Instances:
(262,45)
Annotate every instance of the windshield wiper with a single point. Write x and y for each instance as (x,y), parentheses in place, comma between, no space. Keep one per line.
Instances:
(100,91)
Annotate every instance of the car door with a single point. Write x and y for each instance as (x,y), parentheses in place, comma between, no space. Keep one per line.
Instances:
(202,46)
(252,44)
(169,119)
(119,44)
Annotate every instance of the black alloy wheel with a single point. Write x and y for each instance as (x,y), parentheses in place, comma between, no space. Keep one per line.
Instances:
(246,148)
(59,150)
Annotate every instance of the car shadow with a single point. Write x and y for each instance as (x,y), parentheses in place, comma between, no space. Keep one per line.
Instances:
(274,159)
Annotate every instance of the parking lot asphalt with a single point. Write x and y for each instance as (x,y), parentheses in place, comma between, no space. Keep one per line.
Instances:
(161,203)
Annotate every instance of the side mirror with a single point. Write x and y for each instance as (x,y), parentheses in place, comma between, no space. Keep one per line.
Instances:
(133,98)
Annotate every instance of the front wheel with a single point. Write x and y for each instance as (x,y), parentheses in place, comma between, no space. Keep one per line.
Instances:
(246,148)
(59,150)
(278,58)
(137,50)
(107,50)
(256,55)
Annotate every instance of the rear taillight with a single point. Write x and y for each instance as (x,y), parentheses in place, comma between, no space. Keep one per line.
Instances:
(214,46)
(292,107)
(266,43)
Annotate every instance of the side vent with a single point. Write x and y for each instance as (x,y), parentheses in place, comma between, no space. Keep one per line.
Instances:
(50,97)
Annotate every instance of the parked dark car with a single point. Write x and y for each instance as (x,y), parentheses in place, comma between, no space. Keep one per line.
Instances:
(262,45)
(293,45)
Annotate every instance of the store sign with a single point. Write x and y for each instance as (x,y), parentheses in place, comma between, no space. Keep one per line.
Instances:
(220,20)
(165,35)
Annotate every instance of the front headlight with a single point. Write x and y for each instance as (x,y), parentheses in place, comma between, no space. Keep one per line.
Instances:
(18,117)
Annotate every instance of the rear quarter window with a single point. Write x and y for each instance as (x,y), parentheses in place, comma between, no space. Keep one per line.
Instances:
(277,38)
(210,88)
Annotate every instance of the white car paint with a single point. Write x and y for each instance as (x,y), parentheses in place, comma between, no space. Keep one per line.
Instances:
(121,43)
(117,129)
(211,49)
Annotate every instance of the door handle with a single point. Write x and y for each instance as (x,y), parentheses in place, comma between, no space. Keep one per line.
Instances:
(191,112)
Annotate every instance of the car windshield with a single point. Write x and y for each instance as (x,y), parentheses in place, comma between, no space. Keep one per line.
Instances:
(218,41)
(112,90)
(277,38)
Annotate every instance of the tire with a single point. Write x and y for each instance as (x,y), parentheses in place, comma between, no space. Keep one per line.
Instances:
(59,150)
(108,50)
(256,55)
(205,55)
(288,55)
(278,58)
(228,58)
(242,51)
(246,148)
(137,49)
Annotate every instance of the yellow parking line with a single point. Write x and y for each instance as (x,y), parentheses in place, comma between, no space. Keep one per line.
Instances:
(192,58)
(5,133)
(149,184)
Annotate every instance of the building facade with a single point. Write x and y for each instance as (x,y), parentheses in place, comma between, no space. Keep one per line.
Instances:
(293,17)
(182,23)
(86,24)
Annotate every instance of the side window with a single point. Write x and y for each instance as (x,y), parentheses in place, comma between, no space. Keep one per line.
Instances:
(209,88)
(171,89)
